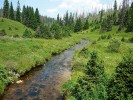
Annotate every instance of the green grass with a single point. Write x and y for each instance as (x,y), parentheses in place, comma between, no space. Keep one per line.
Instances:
(13,28)
(19,55)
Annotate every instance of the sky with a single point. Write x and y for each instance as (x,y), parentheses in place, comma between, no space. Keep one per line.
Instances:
(52,7)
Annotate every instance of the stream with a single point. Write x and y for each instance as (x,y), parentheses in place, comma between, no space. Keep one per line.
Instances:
(44,83)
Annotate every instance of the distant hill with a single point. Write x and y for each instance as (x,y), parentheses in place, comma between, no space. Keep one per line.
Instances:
(13,28)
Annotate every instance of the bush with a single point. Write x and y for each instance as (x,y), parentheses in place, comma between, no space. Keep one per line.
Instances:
(16,28)
(121,85)
(4,75)
(123,39)
(4,78)
(109,36)
(103,37)
(114,45)
(10,28)
(92,85)
(16,36)
(2,20)
(27,34)
(94,42)
(84,52)
(131,39)
(2,32)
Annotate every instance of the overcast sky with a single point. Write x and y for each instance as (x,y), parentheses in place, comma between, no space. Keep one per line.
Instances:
(53,7)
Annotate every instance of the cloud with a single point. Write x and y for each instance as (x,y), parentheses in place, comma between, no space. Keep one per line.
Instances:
(52,10)
(65,5)
(81,6)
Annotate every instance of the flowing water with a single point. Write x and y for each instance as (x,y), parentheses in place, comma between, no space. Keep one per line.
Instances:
(44,83)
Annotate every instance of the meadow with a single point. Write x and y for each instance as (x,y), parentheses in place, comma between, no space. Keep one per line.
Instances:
(13,28)
(99,42)
(19,55)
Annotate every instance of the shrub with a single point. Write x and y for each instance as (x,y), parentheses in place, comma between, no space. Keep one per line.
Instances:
(121,85)
(2,20)
(94,42)
(2,32)
(131,39)
(92,86)
(16,28)
(123,39)
(16,36)
(3,74)
(4,78)
(84,52)
(27,34)
(109,36)
(114,45)
(10,28)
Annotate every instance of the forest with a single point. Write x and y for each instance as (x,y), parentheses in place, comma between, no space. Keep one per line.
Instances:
(102,70)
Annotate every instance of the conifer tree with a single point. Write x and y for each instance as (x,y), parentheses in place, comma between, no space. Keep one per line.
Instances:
(86,25)
(103,26)
(78,25)
(37,17)
(56,30)
(6,9)
(66,19)
(24,15)
(101,15)
(11,13)
(109,22)
(115,13)
(18,14)
(130,19)
(71,22)
(122,14)
(58,18)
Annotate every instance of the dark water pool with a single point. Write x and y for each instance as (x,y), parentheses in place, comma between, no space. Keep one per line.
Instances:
(44,83)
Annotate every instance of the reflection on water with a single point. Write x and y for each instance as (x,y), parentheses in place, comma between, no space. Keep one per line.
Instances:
(44,83)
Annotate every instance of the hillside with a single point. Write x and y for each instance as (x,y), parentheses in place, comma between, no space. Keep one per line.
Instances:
(13,28)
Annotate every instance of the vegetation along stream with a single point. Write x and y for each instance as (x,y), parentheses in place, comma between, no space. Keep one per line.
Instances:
(44,83)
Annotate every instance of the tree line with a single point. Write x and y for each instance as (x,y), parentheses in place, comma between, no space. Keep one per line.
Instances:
(62,27)
(72,22)
(122,17)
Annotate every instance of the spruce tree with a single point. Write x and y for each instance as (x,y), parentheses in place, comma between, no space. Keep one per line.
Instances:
(56,30)
(37,17)
(121,85)
(66,19)
(11,14)
(115,13)
(78,25)
(109,22)
(18,14)
(101,15)
(103,26)
(58,18)
(24,15)
(6,9)
(130,19)
(71,22)
(86,25)
(122,14)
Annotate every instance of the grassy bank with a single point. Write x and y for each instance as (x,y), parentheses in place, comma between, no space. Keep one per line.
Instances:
(19,55)
(13,28)
(100,43)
